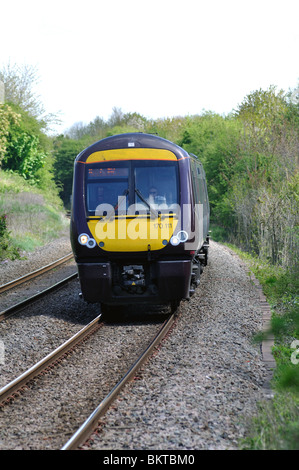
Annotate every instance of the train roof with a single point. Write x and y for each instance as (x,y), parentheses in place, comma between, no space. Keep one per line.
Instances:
(132,140)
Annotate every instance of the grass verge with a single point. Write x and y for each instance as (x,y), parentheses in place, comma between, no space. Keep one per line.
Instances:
(276,427)
(29,217)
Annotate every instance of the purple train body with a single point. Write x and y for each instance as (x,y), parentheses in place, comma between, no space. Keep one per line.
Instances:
(140,221)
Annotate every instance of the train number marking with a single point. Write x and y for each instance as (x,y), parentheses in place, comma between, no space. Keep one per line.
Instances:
(161,225)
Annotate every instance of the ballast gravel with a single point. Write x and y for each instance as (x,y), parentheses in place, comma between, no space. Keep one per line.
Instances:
(202,386)
(29,262)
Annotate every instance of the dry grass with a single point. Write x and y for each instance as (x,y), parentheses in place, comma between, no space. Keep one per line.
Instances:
(33,218)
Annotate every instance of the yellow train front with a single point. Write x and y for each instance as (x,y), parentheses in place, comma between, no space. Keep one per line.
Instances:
(140,220)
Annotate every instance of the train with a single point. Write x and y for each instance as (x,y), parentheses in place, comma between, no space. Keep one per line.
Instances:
(139,225)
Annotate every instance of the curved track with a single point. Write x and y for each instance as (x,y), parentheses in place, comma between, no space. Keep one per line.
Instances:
(19,385)
(33,274)
(16,385)
(19,306)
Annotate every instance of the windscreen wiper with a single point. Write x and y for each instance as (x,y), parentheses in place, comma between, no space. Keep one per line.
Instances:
(120,201)
(139,194)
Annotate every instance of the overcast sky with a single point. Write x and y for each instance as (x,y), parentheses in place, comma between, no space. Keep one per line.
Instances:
(160,58)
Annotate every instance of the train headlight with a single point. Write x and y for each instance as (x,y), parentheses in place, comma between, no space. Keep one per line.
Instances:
(175,241)
(180,237)
(91,243)
(83,238)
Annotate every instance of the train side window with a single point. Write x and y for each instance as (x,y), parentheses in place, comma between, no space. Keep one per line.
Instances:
(195,182)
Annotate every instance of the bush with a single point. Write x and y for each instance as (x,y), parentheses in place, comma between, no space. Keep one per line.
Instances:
(7,250)
(23,156)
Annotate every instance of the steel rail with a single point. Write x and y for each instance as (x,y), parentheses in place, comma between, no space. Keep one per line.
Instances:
(17,384)
(27,277)
(82,434)
(15,308)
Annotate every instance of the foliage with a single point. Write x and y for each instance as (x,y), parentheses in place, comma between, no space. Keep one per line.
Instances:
(20,82)
(215,140)
(32,216)
(97,129)
(168,128)
(7,250)
(14,184)
(65,150)
(276,424)
(8,118)
(265,195)
(23,155)
(28,151)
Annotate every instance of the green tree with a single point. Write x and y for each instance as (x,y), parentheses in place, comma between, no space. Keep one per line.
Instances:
(90,133)
(265,210)
(168,128)
(28,149)
(23,155)
(116,118)
(7,118)
(20,83)
(215,140)
(270,139)
(65,151)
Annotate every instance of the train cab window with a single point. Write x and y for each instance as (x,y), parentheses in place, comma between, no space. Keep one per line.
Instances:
(156,185)
(106,185)
(131,186)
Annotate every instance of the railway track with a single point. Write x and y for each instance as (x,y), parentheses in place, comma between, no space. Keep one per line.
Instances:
(18,385)
(31,276)
(34,274)
(22,384)
(24,303)
(209,374)
(90,424)
(15,386)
